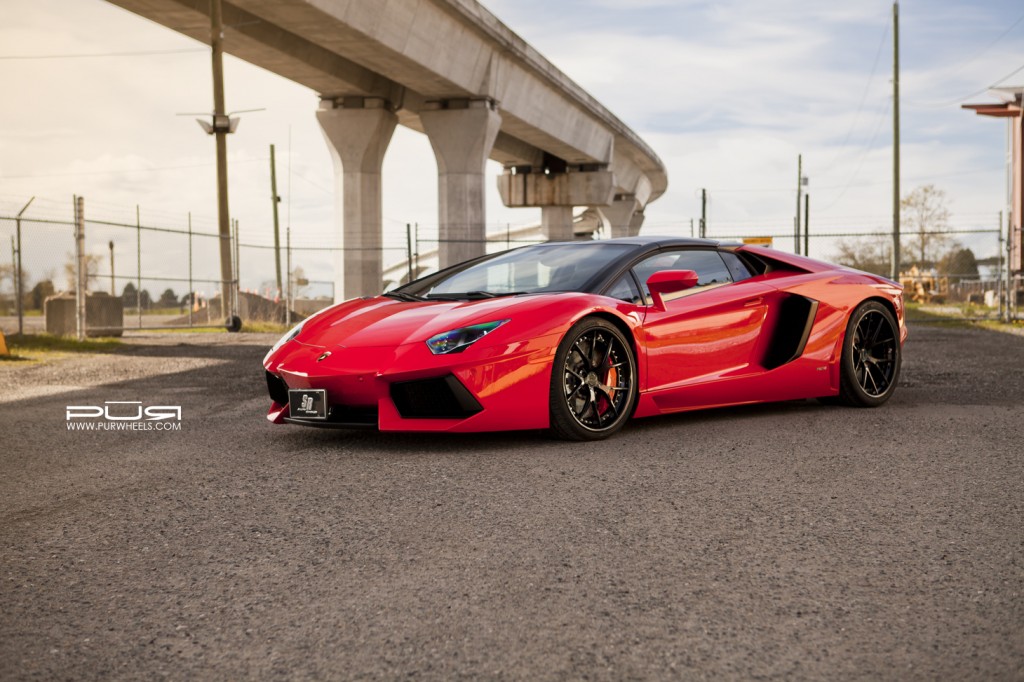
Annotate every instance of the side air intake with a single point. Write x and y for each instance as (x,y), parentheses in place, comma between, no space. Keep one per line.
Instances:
(796,317)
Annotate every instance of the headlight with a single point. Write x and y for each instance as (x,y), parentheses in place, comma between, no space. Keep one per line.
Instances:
(291,334)
(458,340)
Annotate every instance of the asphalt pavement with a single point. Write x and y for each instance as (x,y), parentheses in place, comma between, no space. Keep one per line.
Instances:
(785,541)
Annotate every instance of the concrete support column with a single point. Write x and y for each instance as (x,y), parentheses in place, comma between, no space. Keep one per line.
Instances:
(556,221)
(462,133)
(358,130)
(618,216)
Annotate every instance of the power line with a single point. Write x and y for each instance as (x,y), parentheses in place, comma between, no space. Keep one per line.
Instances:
(89,55)
(115,172)
(864,95)
(958,100)
(985,49)
(917,178)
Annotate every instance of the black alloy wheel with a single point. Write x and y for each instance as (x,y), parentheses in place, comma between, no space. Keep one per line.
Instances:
(593,383)
(871,356)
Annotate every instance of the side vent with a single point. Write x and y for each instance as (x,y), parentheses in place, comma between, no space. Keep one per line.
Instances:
(796,316)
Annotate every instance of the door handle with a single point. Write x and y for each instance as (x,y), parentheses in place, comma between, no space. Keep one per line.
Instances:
(754,302)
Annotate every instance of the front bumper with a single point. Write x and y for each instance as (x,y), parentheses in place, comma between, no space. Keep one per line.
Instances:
(407,388)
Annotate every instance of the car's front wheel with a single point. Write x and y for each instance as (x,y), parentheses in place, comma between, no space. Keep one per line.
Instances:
(871,356)
(593,382)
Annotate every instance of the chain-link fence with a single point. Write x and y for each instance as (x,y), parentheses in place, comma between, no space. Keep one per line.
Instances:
(964,272)
(164,269)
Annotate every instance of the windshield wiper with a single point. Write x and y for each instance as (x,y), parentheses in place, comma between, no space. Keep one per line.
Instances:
(472,295)
(402,296)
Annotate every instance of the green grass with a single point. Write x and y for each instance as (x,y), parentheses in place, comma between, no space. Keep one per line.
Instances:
(36,347)
(264,327)
(920,314)
(916,312)
(1015,326)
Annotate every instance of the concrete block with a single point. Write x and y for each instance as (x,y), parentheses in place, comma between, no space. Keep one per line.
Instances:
(590,188)
(104,314)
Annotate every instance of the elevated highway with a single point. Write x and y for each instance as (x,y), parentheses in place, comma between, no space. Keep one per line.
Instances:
(452,70)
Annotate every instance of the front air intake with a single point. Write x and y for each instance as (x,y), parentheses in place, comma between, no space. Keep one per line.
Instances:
(438,398)
(277,388)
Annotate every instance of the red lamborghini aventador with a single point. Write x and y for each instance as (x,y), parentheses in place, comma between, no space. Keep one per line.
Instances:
(578,337)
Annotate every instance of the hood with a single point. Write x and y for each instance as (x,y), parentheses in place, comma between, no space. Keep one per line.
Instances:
(383,321)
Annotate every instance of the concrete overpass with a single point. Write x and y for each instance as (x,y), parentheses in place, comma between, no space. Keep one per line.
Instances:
(452,70)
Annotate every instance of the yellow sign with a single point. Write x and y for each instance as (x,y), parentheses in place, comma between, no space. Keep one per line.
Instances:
(3,345)
(759,241)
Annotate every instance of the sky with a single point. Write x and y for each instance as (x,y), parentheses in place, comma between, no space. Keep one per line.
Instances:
(727,92)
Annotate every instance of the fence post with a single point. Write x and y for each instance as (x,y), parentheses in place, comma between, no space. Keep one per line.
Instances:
(999,269)
(14,276)
(138,264)
(238,277)
(191,289)
(111,245)
(807,225)
(80,320)
(18,282)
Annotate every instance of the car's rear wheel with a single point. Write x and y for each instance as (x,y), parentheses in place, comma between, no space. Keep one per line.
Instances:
(593,381)
(870,365)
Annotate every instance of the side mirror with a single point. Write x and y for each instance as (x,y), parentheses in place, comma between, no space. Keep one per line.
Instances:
(668,282)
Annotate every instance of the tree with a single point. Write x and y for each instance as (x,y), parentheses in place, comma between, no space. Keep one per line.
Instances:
(870,254)
(168,299)
(91,263)
(925,221)
(40,292)
(130,295)
(299,282)
(959,263)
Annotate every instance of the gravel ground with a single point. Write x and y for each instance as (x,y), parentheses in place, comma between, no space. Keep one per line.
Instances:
(788,541)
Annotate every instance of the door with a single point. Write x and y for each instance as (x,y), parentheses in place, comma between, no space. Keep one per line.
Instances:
(707,333)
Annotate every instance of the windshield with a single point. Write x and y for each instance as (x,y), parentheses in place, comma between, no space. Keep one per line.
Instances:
(533,269)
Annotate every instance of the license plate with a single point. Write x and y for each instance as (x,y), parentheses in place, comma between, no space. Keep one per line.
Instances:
(308,403)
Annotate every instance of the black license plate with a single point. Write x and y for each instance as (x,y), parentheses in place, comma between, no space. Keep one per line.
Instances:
(307,403)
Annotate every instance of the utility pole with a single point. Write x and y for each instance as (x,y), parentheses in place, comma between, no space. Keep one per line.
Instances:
(703,214)
(221,128)
(288,270)
(895,274)
(408,249)
(807,224)
(111,245)
(277,230)
(799,191)
(21,294)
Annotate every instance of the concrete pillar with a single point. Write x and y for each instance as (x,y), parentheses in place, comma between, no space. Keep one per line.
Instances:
(618,216)
(358,131)
(462,133)
(556,221)
(636,222)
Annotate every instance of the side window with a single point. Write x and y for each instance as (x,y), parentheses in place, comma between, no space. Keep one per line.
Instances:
(737,268)
(709,266)
(625,290)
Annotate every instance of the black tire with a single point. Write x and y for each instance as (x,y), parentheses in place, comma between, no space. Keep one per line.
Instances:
(870,365)
(593,382)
